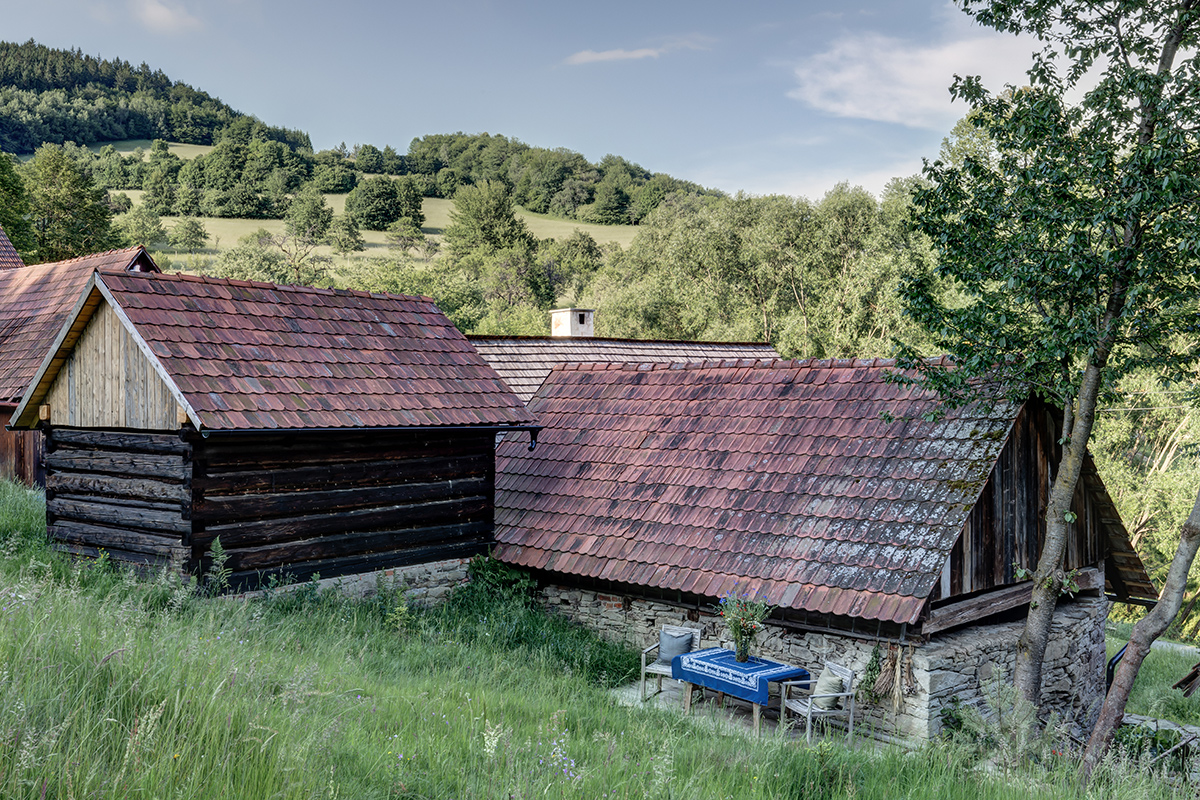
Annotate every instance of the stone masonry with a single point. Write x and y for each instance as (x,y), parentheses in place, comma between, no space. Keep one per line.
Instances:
(423,584)
(966,663)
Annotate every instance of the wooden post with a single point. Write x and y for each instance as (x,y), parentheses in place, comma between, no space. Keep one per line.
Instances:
(44,413)
(180,415)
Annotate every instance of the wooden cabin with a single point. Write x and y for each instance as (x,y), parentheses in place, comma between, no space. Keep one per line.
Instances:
(311,430)
(820,486)
(34,302)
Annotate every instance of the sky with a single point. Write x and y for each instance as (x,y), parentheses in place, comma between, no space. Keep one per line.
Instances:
(757,96)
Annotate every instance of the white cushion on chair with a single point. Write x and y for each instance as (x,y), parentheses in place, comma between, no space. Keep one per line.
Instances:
(828,683)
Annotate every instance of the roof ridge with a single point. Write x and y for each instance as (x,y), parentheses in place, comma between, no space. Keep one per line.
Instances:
(739,363)
(586,339)
(747,363)
(284,287)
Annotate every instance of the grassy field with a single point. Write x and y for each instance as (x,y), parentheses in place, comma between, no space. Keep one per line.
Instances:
(127,146)
(112,686)
(1152,694)
(437,217)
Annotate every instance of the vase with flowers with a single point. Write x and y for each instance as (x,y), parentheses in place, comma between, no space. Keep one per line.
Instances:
(743,615)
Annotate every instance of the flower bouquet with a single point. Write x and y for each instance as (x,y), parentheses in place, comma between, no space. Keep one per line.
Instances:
(743,615)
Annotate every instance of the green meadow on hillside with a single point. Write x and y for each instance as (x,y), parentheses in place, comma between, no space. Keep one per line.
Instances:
(126,147)
(227,231)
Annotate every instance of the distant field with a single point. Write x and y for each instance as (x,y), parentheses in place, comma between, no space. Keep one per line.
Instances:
(127,146)
(437,217)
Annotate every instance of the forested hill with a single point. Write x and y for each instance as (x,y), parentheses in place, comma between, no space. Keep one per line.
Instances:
(50,96)
(56,96)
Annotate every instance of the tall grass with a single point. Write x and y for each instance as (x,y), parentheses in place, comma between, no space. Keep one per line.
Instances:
(1152,694)
(22,517)
(115,686)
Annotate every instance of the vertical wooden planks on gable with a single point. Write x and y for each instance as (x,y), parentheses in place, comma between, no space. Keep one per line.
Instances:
(1046,439)
(1009,525)
(108,382)
(1000,491)
(956,560)
(1018,522)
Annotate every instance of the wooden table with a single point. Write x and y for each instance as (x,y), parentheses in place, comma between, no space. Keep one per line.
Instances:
(717,669)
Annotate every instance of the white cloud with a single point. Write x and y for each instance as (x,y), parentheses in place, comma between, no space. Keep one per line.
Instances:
(876,77)
(164,16)
(593,56)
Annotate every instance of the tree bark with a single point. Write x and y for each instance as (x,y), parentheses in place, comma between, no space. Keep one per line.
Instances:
(1144,633)
(1048,579)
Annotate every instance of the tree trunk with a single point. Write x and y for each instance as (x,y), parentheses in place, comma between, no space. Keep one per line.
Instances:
(1149,628)
(1048,579)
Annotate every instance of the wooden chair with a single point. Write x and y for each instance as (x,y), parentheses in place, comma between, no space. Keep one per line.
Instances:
(804,706)
(660,668)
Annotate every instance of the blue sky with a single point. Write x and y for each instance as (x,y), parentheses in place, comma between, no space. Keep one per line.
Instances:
(766,97)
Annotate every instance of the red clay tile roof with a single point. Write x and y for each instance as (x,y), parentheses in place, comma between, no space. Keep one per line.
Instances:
(776,477)
(523,362)
(8,254)
(34,303)
(251,356)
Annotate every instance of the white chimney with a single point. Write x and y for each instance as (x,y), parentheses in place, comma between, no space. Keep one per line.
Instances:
(572,322)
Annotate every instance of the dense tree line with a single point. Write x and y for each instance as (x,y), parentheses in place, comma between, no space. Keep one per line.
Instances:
(57,96)
(546,181)
(51,209)
(814,279)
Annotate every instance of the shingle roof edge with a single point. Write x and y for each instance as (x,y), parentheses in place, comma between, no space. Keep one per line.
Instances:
(133,251)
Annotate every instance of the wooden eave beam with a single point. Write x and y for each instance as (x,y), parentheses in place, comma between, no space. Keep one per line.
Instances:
(985,605)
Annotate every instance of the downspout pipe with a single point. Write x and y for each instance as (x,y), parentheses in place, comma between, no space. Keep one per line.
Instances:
(1112,667)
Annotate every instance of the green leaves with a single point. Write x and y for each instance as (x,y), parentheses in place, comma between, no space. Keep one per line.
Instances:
(67,211)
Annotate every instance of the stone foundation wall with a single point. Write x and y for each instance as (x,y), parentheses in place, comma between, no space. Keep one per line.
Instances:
(963,663)
(423,584)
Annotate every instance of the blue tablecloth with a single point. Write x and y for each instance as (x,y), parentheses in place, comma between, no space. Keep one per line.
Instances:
(717,669)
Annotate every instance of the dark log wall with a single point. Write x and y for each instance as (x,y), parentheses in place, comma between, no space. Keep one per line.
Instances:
(127,494)
(291,505)
(1007,525)
(21,457)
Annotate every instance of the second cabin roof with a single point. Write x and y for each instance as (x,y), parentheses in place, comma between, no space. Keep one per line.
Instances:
(34,302)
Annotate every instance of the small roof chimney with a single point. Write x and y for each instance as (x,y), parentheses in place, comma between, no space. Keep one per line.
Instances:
(575,322)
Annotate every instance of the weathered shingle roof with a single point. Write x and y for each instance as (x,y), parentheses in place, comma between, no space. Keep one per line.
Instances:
(8,254)
(251,356)
(777,477)
(34,303)
(523,362)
